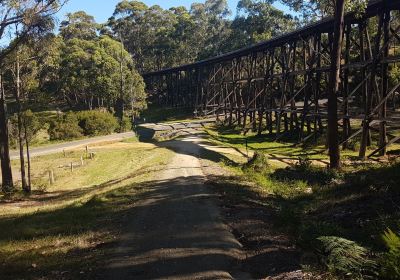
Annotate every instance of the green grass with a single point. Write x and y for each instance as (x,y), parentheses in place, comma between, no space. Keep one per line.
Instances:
(131,140)
(66,230)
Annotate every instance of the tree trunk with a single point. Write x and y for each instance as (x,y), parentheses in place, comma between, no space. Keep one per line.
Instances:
(28,156)
(120,106)
(25,186)
(333,139)
(6,172)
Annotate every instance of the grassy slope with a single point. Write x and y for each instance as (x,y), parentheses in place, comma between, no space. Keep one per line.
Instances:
(308,201)
(63,232)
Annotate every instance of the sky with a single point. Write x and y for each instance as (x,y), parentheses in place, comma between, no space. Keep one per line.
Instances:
(103,9)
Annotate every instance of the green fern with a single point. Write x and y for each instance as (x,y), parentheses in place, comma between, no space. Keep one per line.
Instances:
(346,258)
(391,260)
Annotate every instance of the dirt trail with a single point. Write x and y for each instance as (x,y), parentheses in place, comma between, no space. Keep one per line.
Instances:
(175,230)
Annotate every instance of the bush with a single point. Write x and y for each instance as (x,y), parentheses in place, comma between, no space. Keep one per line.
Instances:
(126,125)
(258,163)
(65,127)
(96,123)
(304,163)
(391,260)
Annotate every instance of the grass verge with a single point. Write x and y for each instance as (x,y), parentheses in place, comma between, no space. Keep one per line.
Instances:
(65,230)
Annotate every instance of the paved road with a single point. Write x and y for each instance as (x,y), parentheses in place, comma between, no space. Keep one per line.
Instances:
(58,148)
(175,230)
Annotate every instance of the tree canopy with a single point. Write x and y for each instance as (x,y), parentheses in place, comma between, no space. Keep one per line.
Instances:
(158,38)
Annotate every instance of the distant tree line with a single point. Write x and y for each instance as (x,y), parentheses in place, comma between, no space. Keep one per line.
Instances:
(158,38)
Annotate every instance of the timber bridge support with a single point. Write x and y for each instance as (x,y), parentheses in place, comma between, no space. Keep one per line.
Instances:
(280,86)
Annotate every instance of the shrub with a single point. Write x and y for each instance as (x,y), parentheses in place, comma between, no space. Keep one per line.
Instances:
(304,163)
(394,75)
(346,258)
(391,260)
(126,125)
(65,127)
(97,123)
(258,163)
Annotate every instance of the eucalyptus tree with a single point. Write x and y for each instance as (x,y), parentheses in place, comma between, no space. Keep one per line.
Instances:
(19,18)
(133,92)
(128,23)
(158,38)
(213,26)
(258,21)
(312,10)
(79,25)
(22,73)
(96,71)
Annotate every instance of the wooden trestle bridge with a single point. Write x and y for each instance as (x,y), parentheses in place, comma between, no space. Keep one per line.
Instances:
(280,86)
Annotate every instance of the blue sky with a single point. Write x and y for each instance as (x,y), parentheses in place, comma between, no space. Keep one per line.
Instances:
(103,9)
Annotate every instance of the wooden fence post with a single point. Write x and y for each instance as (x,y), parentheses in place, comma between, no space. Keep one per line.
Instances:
(51,177)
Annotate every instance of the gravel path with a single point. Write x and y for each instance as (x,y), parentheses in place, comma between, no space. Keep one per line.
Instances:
(175,231)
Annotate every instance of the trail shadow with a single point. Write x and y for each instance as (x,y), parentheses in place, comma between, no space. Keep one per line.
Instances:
(145,134)
(173,233)
(253,218)
(167,229)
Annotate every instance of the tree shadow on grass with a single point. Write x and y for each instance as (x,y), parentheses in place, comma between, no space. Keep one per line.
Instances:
(143,229)
(159,235)
(253,216)
(43,198)
(52,239)
(358,205)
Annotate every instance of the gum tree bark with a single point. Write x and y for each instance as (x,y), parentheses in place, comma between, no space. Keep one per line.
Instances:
(7,179)
(334,79)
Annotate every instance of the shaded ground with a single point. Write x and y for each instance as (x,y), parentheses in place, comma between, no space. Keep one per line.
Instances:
(182,228)
(176,231)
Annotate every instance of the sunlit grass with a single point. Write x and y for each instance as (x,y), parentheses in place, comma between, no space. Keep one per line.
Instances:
(287,148)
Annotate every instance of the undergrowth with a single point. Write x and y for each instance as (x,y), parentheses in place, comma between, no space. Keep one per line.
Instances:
(339,215)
